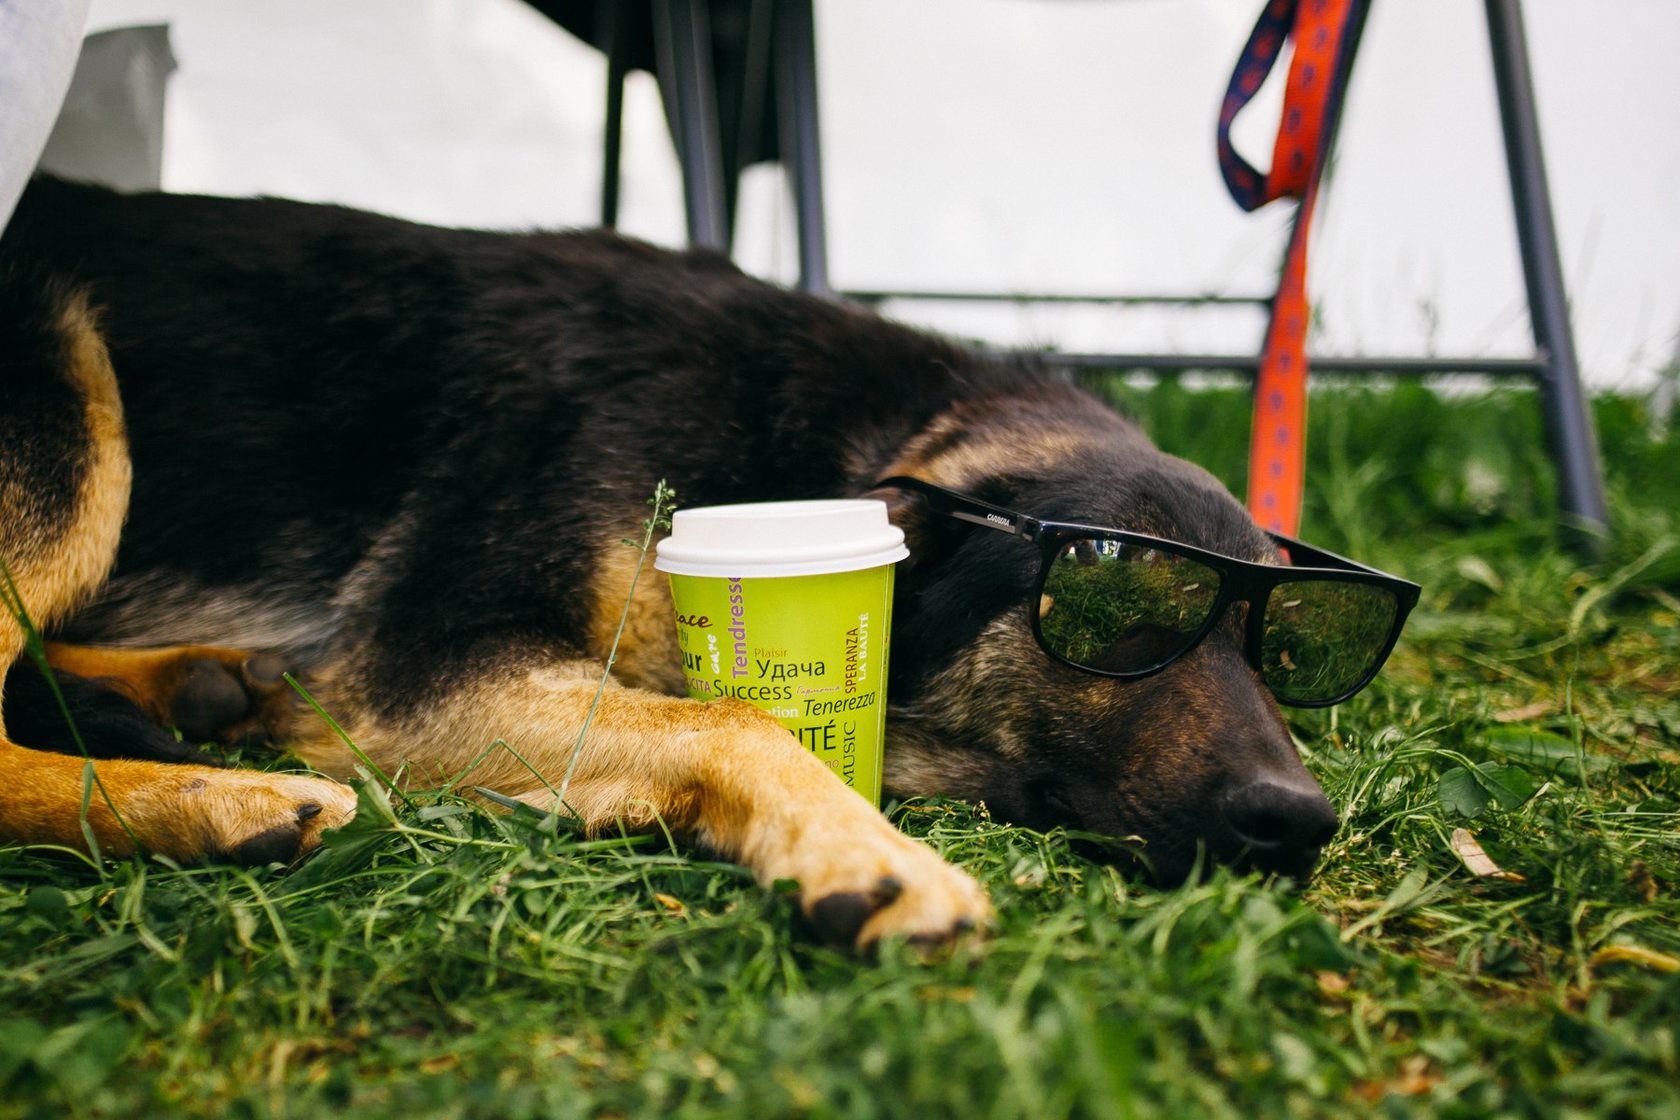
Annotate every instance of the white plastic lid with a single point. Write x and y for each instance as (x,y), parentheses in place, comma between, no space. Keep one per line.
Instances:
(781,539)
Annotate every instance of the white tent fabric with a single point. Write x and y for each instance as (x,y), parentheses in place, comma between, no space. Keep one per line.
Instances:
(1015,145)
(38,43)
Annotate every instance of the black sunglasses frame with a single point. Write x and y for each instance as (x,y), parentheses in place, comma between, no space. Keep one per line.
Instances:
(1240,581)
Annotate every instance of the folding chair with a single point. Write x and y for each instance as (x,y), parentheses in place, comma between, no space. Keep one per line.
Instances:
(771,43)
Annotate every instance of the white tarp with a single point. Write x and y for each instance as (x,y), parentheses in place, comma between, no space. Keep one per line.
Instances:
(1015,145)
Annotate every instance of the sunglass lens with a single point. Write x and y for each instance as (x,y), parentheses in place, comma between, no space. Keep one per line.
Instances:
(1117,608)
(1321,639)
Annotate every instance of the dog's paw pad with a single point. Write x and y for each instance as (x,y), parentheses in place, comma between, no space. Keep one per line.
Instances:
(209,699)
(839,917)
(283,816)
(227,697)
(909,894)
(931,944)
(279,844)
(265,671)
(940,906)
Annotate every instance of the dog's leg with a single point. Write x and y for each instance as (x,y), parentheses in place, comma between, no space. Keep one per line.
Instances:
(723,774)
(64,482)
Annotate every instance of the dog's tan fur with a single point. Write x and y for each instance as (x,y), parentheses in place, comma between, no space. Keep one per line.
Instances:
(647,650)
(56,564)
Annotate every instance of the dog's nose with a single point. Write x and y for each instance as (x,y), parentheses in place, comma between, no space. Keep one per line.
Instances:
(1281,825)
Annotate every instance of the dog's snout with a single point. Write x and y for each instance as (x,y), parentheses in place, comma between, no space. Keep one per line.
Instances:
(1280,824)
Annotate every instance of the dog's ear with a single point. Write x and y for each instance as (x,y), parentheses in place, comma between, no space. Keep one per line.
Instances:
(929,537)
(900,504)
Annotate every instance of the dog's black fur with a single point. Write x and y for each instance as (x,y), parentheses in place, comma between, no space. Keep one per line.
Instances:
(404,451)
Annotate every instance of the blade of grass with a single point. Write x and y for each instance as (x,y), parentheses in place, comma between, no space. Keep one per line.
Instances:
(12,600)
(664,503)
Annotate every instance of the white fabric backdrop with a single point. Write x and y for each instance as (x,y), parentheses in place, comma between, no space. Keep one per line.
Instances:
(1003,144)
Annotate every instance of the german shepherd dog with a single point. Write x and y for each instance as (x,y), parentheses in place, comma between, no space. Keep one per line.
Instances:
(245,437)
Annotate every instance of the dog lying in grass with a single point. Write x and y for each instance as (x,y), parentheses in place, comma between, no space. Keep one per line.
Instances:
(240,438)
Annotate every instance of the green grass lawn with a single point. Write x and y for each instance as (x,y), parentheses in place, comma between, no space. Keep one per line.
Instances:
(440,960)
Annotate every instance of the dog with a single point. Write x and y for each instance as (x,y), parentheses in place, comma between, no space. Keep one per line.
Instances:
(246,438)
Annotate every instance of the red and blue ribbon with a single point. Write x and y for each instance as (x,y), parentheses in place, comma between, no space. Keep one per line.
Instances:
(1277,446)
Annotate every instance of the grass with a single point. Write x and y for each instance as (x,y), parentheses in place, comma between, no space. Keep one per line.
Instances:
(440,960)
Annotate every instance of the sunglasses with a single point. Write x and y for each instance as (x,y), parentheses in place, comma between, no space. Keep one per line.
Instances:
(1127,605)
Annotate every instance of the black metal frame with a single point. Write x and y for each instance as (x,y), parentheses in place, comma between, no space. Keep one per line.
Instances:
(779,59)
(682,34)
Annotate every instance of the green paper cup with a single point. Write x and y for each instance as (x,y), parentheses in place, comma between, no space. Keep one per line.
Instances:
(787,605)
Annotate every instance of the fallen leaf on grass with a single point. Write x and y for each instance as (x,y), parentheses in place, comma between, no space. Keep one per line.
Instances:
(1415,1077)
(1635,954)
(1332,983)
(932,993)
(1464,845)
(1414,1080)
(1639,877)
(1525,713)
(1477,570)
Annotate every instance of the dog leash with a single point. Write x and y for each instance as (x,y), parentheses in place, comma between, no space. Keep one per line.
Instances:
(1277,442)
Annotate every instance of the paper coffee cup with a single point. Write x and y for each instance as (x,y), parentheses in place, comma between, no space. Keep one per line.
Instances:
(787,605)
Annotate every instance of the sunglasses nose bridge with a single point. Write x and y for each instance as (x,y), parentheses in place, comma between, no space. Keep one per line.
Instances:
(1253,593)
(1231,592)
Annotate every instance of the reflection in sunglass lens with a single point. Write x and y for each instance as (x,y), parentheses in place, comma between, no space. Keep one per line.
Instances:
(1118,608)
(1321,638)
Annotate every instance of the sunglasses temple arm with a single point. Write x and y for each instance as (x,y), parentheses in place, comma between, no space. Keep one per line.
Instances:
(963,508)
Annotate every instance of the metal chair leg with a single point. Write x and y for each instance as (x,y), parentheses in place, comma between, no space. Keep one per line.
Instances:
(796,92)
(683,43)
(1568,424)
(612,41)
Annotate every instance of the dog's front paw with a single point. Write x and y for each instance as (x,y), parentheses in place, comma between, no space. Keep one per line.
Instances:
(282,817)
(861,879)
(866,881)
(766,801)
(240,817)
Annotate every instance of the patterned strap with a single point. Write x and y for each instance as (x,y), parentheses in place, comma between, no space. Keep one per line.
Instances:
(1277,445)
